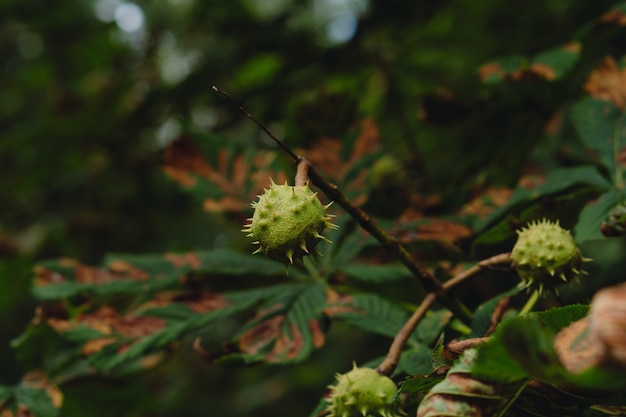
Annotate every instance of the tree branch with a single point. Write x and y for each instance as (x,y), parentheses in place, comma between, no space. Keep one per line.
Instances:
(389,364)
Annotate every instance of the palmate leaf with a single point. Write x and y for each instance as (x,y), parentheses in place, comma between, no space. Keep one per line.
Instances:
(222,175)
(288,326)
(134,340)
(549,65)
(346,161)
(566,189)
(369,312)
(601,126)
(35,395)
(384,273)
(142,274)
(462,394)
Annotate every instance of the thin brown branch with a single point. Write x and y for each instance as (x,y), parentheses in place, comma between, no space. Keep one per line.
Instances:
(302,172)
(496,260)
(389,364)
(428,281)
(258,123)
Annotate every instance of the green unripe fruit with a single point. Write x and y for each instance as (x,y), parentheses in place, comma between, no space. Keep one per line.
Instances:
(545,255)
(288,222)
(362,392)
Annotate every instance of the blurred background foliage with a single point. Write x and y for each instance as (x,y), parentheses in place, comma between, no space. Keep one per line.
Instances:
(93,91)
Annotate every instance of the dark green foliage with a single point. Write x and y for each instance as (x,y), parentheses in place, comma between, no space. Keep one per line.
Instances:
(126,181)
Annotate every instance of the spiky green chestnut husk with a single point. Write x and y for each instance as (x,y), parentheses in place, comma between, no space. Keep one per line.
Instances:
(545,255)
(288,222)
(362,392)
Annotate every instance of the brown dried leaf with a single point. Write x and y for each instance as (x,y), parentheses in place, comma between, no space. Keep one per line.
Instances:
(485,203)
(326,154)
(183,162)
(339,304)
(287,347)
(123,267)
(96,345)
(439,230)
(614,17)
(608,82)
(317,334)
(108,321)
(238,179)
(253,340)
(186,259)
(598,339)
(39,380)
(208,302)
(491,69)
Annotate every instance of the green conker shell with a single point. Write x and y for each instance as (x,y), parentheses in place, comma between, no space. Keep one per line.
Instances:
(545,255)
(362,392)
(288,222)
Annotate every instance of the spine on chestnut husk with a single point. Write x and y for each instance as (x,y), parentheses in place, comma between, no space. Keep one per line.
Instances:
(546,255)
(288,222)
(362,392)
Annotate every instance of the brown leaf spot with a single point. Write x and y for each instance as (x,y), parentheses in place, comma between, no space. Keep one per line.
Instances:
(608,321)
(614,17)
(287,347)
(224,204)
(316,333)
(96,345)
(338,304)
(39,380)
(125,268)
(486,202)
(575,349)
(542,71)
(254,339)
(439,230)
(187,259)
(530,181)
(207,301)
(182,161)
(94,275)
(608,82)
(491,70)
(44,276)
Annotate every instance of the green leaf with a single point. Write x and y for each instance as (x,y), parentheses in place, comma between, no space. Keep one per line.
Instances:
(419,384)
(592,216)
(145,274)
(558,60)
(431,326)
(602,128)
(372,313)
(523,347)
(386,273)
(289,325)
(557,318)
(6,392)
(462,394)
(482,315)
(37,401)
(556,181)
(415,360)
(109,358)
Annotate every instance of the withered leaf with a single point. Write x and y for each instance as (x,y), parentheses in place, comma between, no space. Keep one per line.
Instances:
(347,161)
(608,82)
(225,181)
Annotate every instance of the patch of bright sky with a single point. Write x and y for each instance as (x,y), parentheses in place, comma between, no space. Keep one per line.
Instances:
(128,16)
(339,17)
